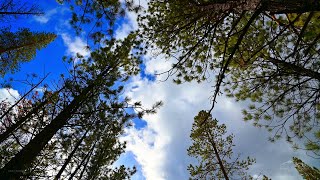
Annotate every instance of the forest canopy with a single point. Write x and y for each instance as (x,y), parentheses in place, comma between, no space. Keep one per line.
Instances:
(87,89)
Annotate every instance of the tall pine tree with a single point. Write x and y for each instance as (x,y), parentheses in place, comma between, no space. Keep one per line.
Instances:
(214,151)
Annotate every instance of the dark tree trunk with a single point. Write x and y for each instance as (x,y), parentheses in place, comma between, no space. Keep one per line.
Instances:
(272,6)
(216,152)
(22,120)
(84,160)
(295,68)
(67,161)
(291,6)
(22,98)
(8,49)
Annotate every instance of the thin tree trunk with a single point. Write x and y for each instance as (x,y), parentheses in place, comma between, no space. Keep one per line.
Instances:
(86,158)
(67,161)
(3,50)
(20,13)
(22,120)
(23,97)
(21,161)
(85,166)
(222,168)
(297,69)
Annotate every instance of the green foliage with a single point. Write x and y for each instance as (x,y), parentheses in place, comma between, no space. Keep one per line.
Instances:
(209,144)
(313,144)
(307,172)
(270,59)
(20,46)
(98,16)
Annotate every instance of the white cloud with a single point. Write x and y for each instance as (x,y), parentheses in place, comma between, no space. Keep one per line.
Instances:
(43,19)
(130,21)
(75,45)
(123,31)
(160,147)
(9,95)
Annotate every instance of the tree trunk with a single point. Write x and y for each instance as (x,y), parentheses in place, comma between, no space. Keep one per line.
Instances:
(22,120)
(222,168)
(3,50)
(84,160)
(272,6)
(67,161)
(22,98)
(291,6)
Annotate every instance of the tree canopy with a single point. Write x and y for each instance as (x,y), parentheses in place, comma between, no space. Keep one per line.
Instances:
(266,52)
(20,46)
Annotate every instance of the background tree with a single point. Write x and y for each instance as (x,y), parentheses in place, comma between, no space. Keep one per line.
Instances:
(213,148)
(20,46)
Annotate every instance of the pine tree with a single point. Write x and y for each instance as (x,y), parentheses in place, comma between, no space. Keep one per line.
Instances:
(20,46)
(213,148)
(27,155)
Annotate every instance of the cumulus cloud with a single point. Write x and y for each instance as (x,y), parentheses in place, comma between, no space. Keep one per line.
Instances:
(129,23)
(75,45)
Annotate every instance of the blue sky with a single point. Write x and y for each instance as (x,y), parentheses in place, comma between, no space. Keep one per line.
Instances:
(157,145)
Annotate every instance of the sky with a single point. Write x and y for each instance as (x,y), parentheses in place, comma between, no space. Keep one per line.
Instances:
(157,145)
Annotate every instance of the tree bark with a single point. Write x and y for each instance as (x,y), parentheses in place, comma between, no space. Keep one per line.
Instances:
(3,50)
(22,98)
(222,168)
